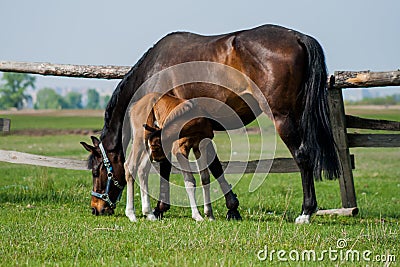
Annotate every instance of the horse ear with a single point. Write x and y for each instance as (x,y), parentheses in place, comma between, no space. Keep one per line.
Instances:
(149,128)
(88,147)
(95,140)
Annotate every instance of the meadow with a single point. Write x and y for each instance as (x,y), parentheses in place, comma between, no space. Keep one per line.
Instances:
(45,218)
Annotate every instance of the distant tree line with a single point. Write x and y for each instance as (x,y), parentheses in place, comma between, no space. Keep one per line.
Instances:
(13,95)
(386,101)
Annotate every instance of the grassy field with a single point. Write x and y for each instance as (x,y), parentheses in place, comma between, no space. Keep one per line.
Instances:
(45,218)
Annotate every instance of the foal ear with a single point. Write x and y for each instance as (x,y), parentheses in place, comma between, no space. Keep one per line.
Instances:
(95,140)
(89,148)
(149,128)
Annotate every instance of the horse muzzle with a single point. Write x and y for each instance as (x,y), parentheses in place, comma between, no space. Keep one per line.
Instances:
(102,211)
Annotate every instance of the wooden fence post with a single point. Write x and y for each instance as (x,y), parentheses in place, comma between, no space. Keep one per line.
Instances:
(5,125)
(338,121)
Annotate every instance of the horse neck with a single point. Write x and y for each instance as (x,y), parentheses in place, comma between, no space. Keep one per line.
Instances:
(115,112)
(111,135)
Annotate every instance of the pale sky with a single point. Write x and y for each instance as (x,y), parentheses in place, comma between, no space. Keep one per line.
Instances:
(356,35)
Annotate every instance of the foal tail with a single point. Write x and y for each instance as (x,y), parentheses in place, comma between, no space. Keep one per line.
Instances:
(317,135)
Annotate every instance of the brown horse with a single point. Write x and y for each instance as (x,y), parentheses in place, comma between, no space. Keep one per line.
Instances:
(166,114)
(287,67)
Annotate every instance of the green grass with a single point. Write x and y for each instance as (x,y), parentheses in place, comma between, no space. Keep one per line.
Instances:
(22,122)
(46,221)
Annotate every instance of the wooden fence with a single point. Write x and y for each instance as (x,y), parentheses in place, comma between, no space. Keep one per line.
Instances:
(340,122)
(5,125)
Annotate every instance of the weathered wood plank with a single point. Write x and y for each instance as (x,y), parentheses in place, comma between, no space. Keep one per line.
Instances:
(340,212)
(354,79)
(279,165)
(374,140)
(67,70)
(362,123)
(30,159)
(340,79)
(5,125)
(338,123)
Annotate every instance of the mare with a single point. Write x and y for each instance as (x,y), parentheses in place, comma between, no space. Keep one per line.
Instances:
(286,78)
(168,114)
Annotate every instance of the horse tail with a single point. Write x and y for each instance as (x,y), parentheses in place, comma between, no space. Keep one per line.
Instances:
(317,134)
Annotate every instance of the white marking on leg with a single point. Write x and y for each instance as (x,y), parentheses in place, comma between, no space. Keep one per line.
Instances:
(205,179)
(190,186)
(303,219)
(201,157)
(130,209)
(143,174)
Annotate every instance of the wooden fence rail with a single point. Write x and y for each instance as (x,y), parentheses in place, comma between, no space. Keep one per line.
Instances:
(277,165)
(341,79)
(65,70)
(340,123)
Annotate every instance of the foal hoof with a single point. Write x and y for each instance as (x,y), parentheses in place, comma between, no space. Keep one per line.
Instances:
(233,215)
(151,217)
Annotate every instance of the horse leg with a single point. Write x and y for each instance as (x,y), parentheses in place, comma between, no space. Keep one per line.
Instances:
(143,174)
(163,203)
(309,197)
(231,200)
(190,181)
(130,174)
(288,131)
(205,181)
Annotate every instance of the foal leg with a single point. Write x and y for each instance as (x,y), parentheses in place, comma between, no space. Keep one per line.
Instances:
(143,174)
(137,164)
(205,181)
(288,131)
(190,182)
(163,203)
(130,174)
(231,200)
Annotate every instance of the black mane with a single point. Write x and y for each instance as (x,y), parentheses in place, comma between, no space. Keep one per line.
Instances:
(118,92)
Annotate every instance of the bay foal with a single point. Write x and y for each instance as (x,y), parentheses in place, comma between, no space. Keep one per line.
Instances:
(180,123)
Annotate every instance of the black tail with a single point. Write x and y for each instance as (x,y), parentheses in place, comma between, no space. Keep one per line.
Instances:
(318,140)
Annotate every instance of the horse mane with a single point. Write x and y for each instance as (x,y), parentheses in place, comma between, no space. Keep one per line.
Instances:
(119,91)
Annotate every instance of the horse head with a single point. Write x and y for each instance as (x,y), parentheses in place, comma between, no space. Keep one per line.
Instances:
(108,177)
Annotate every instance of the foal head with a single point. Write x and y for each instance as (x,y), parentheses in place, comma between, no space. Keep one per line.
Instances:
(154,143)
(108,177)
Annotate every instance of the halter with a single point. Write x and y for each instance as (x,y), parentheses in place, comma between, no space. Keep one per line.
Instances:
(105,197)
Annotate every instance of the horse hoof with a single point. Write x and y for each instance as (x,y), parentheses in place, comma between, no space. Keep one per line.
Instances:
(132,218)
(158,214)
(232,202)
(131,215)
(233,215)
(303,219)
(210,217)
(198,218)
(151,217)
